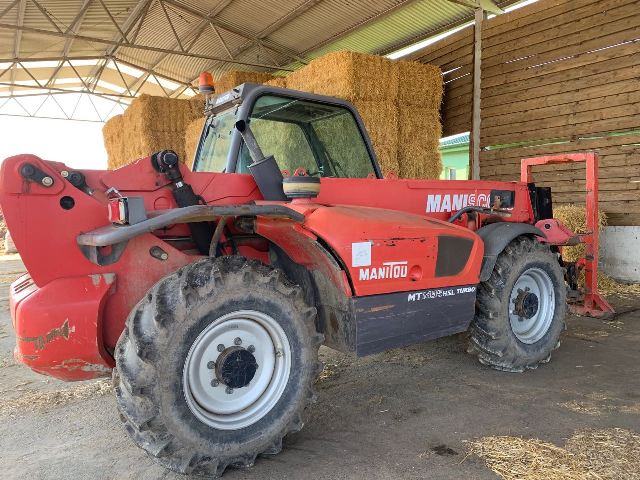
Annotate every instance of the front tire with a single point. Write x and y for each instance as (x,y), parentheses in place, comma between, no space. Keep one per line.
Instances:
(216,365)
(520,309)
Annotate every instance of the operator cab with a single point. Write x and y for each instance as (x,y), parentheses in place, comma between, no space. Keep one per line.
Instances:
(322,135)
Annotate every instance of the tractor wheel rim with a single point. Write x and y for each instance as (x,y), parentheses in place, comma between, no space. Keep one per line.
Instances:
(236,370)
(532,305)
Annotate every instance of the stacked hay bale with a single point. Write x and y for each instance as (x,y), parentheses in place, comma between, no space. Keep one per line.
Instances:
(191,139)
(277,82)
(149,124)
(398,103)
(419,96)
(233,78)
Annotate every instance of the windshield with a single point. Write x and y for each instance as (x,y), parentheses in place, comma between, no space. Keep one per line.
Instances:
(322,139)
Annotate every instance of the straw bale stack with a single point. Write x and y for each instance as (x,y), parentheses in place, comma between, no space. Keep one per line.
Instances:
(191,139)
(149,124)
(419,85)
(381,122)
(406,141)
(348,75)
(280,82)
(234,78)
(113,134)
(419,133)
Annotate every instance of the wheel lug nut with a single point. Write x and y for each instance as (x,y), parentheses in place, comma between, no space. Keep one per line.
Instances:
(237,341)
(251,349)
(211,365)
(220,347)
(229,390)
(215,383)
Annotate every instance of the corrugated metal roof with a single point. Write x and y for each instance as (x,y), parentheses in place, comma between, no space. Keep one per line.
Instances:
(217,35)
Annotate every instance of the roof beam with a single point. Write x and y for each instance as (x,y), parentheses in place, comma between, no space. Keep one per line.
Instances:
(197,31)
(17,39)
(8,7)
(229,28)
(46,15)
(55,89)
(76,22)
(487,5)
(281,22)
(149,48)
(137,15)
(113,20)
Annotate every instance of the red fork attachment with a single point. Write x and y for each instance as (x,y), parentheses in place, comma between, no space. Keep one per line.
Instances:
(591,303)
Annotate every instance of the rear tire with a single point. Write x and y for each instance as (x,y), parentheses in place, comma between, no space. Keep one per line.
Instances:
(520,309)
(172,343)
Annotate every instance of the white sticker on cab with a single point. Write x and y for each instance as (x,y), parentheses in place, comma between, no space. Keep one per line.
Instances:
(361,254)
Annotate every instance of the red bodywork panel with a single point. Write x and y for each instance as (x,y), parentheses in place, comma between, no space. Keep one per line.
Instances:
(75,310)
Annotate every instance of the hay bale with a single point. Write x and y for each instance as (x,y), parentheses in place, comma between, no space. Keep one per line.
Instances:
(419,132)
(277,82)
(233,78)
(150,124)
(381,121)
(191,139)
(419,84)
(113,135)
(348,75)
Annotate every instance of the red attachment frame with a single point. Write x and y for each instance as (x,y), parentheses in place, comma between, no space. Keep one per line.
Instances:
(593,304)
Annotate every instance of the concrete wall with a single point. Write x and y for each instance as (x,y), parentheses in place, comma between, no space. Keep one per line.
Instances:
(620,253)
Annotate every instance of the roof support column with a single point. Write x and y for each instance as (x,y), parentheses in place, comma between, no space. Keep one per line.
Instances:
(474,171)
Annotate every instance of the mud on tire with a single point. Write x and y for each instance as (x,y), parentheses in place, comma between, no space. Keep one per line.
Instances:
(150,364)
(493,338)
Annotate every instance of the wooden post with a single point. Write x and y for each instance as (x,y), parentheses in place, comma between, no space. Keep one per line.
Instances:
(474,171)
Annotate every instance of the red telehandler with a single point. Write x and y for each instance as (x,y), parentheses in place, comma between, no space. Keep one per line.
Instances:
(208,292)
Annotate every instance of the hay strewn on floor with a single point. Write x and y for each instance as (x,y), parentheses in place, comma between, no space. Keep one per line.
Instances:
(149,124)
(574,218)
(514,458)
(612,454)
(30,401)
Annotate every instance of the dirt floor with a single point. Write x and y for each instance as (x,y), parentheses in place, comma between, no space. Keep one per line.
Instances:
(407,414)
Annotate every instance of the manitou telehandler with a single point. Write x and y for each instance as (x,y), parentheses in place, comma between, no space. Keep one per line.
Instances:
(208,292)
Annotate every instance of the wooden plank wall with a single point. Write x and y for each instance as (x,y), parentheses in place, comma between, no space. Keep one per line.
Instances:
(562,76)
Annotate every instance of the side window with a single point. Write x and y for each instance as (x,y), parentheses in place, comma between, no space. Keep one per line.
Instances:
(341,138)
(285,141)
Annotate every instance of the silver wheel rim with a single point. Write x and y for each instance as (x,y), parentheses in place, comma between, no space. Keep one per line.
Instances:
(527,327)
(226,408)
